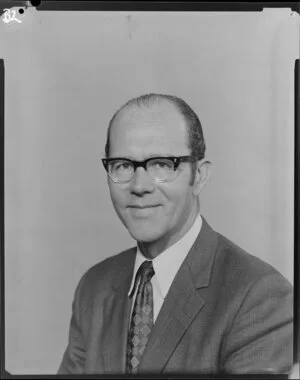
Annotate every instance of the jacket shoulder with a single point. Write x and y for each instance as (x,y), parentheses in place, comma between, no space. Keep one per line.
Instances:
(100,275)
(242,267)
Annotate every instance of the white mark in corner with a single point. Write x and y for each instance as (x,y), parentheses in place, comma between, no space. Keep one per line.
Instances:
(10,15)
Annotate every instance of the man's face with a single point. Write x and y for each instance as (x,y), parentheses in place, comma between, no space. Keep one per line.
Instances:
(139,133)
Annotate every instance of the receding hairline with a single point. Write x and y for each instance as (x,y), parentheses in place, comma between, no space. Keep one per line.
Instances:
(190,120)
(135,104)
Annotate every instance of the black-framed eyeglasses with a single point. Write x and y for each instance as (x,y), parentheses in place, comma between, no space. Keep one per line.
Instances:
(161,169)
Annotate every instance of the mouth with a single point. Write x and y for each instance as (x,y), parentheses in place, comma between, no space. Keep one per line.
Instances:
(143,212)
(138,207)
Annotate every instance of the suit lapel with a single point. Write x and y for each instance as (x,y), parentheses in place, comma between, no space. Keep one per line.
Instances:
(117,316)
(183,302)
(180,307)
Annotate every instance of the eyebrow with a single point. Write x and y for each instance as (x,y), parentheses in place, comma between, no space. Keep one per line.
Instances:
(150,156)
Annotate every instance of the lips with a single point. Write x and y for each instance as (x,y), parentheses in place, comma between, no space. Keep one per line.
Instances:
(142,212)
(142,207)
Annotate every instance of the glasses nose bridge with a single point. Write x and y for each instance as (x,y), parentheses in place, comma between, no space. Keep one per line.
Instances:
(141,180)
(137,164)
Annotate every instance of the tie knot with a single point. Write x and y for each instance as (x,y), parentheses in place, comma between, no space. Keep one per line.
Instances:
(146,271)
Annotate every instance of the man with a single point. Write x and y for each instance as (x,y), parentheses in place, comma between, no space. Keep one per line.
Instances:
(185,300)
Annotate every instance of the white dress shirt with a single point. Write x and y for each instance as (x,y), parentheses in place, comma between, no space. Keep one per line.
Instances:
(166,265)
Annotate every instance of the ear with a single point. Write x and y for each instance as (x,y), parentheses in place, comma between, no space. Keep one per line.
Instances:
(203,170)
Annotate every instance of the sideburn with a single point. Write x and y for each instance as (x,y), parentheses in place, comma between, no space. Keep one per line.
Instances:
(193,173)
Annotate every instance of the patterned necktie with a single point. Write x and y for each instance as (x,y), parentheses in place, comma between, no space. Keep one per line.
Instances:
(141,318)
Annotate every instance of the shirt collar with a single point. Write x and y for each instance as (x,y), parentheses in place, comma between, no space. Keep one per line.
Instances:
(169,261)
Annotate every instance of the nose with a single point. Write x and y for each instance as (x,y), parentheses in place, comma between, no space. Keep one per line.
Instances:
(141,182)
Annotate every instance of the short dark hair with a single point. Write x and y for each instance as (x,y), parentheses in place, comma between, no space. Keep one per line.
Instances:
(194,129)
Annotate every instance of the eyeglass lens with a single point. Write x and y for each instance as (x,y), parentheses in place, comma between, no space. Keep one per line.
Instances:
(159,169)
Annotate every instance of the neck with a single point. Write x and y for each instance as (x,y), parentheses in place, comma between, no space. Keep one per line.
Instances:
(154,248)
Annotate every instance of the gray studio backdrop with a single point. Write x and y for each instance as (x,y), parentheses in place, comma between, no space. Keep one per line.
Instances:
(66,74)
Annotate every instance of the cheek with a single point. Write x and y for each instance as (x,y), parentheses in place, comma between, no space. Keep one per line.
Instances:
(117,195)
(178,202)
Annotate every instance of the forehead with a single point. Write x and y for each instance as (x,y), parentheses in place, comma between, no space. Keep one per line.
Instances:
(156,129)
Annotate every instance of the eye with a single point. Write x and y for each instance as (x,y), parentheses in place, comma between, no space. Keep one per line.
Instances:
(121,165)
(124,165)
(162,164)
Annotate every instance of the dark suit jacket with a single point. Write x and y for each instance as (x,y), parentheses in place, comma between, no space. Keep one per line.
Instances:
(226,311)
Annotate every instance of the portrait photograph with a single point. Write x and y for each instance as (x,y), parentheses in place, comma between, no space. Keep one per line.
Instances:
(150,220)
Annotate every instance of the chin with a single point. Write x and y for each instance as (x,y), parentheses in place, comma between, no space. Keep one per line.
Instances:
(144,234)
